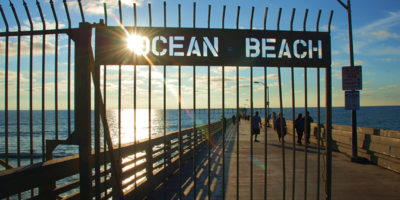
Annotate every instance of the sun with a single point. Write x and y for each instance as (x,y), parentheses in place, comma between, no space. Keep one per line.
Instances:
(137,44)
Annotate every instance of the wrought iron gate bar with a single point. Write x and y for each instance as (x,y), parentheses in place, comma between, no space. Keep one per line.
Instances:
(318,121)
(237,114)
(293,117)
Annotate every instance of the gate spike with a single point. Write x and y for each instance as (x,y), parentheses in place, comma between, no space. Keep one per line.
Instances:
(120,11)
(291,21)
(265,18)
(28,14)
(67,12)
(279,19)
(105,13)
(4,18)
(305,20)
(330,21)
(319,16)
(54,13)
(41,14)
(16,16)
(81,9)
(251,17)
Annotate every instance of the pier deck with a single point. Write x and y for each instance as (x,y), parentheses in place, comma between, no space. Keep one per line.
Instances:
(350,180)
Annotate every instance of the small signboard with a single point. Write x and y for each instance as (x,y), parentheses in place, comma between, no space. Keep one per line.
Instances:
(351,78)
(352,100)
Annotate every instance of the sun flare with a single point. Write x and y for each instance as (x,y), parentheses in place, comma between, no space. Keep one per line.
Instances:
(137,44)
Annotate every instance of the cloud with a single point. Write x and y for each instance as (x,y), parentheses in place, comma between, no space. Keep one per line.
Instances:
(376,32)
(25,47)
(96,7)
(383,34)
(337,64)
(389,87)
(359,62)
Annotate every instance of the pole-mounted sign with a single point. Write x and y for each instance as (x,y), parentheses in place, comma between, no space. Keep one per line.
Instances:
(352,78)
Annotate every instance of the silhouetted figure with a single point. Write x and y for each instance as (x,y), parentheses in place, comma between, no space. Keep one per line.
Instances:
(299,125)
(234,119)
(256,123)
(277,126)
(273,119)
(308,120)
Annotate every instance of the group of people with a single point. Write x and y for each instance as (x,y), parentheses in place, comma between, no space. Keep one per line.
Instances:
(301,124)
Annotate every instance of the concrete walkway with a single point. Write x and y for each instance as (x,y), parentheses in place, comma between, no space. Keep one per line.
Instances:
(350,180)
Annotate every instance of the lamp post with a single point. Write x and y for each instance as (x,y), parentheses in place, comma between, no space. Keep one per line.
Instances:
(354,157)
(267,97)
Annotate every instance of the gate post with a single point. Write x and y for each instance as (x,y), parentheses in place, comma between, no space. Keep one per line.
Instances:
(82,106)
(328,131)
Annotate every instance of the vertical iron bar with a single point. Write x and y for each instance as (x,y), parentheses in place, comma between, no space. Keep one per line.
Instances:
(251,115)
(43,81)
(30,84)
(105,111)
(134,107)
(97,130)
(265,115)
(6,86)
(119,98)
(318,121)
(30,88)
(293,118)
(179,116)
(194,117)
(97,96)
(165,109)
(328,126)
(81,10)
(18,89)
(82,106)
(238,115)
(209,122)
(69,69)
(150,150)
(223,116)
(281,121)
(55,70)
(306,118)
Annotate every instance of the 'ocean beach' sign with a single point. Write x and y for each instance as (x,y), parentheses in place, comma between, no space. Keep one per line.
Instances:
(226,47)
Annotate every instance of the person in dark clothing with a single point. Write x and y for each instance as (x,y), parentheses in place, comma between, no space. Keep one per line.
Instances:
(308,120)
(299,125)
(234,119)
(256,123)
(277,126)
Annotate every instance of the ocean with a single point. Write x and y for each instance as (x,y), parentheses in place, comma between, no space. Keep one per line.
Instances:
(383,117)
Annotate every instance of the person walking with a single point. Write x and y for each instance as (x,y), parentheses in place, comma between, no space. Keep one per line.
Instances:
(256,123)
(308,120)
(273,119)
(277,126)
(299,125)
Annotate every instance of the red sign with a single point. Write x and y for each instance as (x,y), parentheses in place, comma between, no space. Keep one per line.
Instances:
(351,78)
(352,100)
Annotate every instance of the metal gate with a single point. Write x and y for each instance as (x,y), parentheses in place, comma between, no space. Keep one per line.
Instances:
(135,169)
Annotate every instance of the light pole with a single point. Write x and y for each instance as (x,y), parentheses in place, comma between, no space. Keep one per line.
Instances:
(354,157)
(267,97)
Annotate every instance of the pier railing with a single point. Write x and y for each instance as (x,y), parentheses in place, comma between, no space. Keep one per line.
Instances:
(164,156)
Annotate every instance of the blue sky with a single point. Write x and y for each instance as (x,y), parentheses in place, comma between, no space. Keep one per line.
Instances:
(376,29)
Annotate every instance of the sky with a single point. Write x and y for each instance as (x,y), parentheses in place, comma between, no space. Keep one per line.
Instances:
(376,31)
